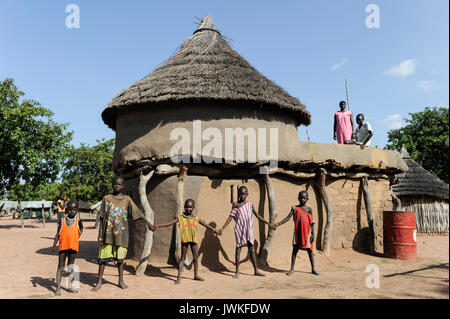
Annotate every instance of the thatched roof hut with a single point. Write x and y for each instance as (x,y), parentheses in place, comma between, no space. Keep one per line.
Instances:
(205,88)
(422,192)
(206,68)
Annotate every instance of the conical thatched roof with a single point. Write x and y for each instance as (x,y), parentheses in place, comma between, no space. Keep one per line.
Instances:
(206,68)
(417,181)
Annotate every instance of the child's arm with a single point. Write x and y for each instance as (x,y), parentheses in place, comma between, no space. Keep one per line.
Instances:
(201,222)
(174,221)
(351,121)
(262,219)
(150,225)
(80,224)
(286,219)
(100,230)
(219,232)
(56,237)
(334,128)
(311,225)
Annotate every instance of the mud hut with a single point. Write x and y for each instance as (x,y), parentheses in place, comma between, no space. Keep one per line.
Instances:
(205,122)
(419,191)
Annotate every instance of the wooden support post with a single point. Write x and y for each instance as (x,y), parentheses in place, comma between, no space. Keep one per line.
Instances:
(232,194)
(43,215)
(329,209)
(180,207)
(397,204)
(272,219)
(368,204)
(150,215)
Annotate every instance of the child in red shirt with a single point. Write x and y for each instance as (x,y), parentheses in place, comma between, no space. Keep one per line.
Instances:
(303,231)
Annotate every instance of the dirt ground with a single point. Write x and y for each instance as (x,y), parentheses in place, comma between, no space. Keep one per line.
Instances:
(28,271)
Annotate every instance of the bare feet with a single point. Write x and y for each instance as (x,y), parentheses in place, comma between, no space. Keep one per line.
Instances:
(290,273)
(122,285)
(199,278)
(97,287)
(257,273)
(236,274)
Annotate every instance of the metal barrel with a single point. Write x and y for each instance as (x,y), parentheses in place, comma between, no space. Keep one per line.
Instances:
(400,235)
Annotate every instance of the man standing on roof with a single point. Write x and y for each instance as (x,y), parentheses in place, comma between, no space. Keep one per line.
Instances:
(363,133)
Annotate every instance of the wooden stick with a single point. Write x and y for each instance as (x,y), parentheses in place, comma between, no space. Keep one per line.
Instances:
(180,206)
(20,212)
(346,93)
(150,216)
(43,216)
(368,204)
(272,219)
(232,194)
(397,204)
(329,209)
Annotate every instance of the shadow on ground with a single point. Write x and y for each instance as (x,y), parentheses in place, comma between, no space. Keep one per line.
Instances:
(88,250)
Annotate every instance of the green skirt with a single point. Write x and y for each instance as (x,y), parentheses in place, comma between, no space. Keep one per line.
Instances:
(110,252)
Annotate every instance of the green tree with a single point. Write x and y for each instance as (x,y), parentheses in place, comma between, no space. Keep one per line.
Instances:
(88,171)
(32,145)
(426,138)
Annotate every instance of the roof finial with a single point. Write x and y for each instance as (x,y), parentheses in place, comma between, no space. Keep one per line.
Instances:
(206,24)
(404,153)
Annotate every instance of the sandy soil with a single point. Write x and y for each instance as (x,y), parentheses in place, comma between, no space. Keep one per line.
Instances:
(28,271)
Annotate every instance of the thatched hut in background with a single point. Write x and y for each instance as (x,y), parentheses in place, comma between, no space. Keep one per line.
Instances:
(421,192)
(205,90)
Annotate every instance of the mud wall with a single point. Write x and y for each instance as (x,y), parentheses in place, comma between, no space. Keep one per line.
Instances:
(213,196)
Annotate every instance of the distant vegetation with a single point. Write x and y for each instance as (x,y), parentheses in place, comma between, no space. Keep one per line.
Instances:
(37,160)
(426,138)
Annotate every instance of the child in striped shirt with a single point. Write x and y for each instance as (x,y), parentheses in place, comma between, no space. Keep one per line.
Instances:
(188,229)
(242,214)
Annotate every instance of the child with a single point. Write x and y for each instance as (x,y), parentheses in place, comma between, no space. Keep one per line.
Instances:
(363,132)
(187,228)
(69,231)
(343,124)
(61,207)
(303,230)
(241,212)
(115,211)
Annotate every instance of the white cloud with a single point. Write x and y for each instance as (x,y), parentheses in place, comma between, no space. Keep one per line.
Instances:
(393,121)
(435,72)
(428,86)
(338,65)
(405,68)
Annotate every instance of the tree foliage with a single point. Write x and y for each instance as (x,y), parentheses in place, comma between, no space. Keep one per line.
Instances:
(32,145)
(426,138)
(88,173)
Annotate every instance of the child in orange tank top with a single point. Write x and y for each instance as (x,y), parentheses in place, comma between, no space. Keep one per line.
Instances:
(69,230)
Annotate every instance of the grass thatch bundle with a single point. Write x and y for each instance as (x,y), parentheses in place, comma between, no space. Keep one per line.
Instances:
(421,192)
(431,215)
(417,181)
(206,68)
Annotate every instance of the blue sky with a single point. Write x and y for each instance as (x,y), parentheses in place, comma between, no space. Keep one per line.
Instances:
(306,47)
